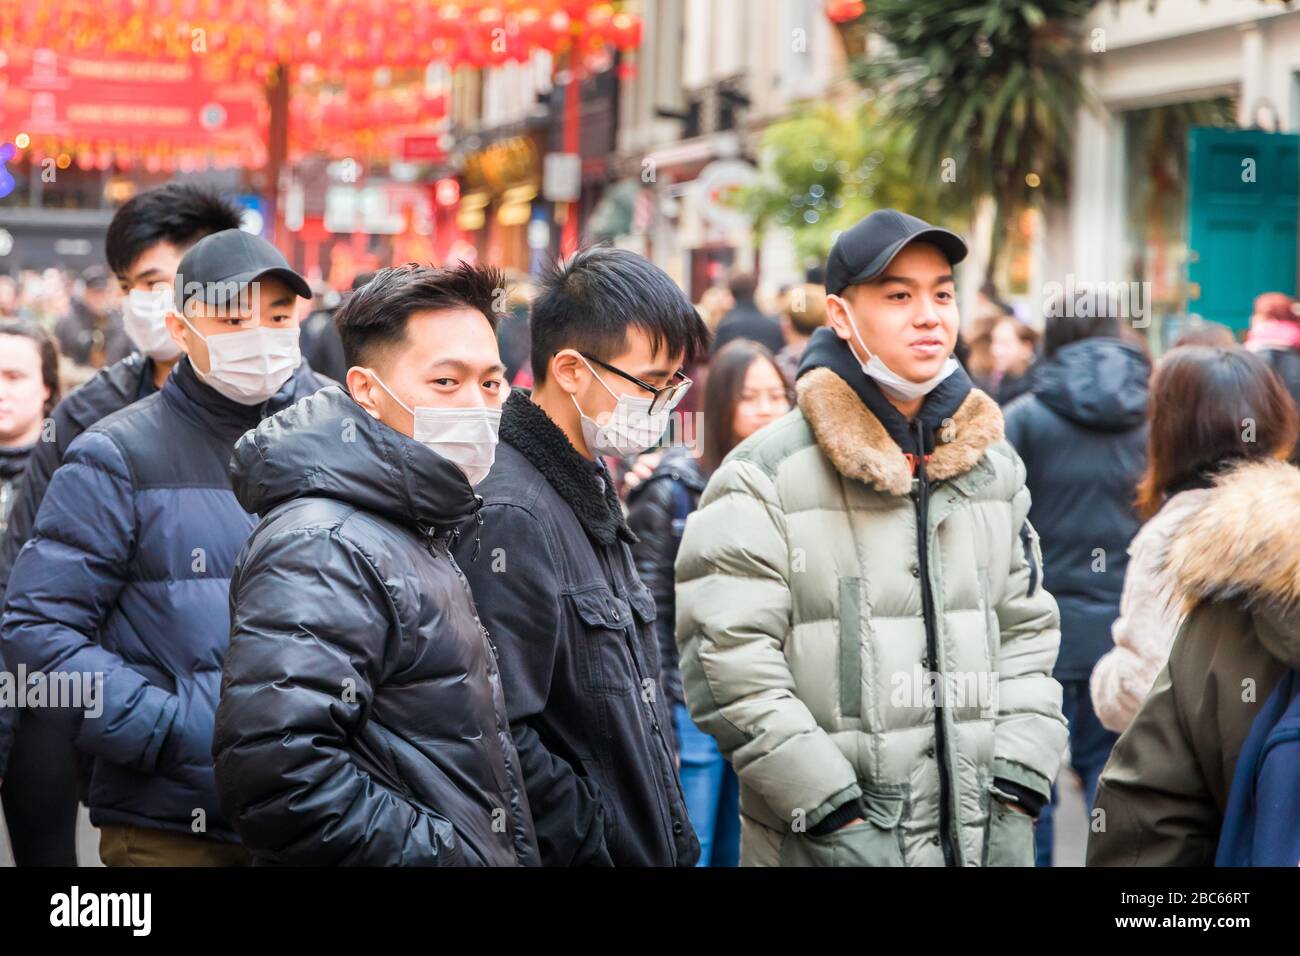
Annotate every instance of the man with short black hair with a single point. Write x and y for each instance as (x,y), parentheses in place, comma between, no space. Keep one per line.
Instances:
(126,576)
(362,720)
(555,578)
(860,607)
(145,241)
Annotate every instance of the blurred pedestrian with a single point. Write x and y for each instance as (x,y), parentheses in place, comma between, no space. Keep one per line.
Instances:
(92,333)
(1275,335)
(1199,398)
(29,388)
(1081,433)
(746,391)
(348,582)
(513,333)
(803,314)
(858,578)
(745,320)
(1201,332)
(144,243)
(1013,348)
(126,575)
(553,574)
(1208,772)
(715,303)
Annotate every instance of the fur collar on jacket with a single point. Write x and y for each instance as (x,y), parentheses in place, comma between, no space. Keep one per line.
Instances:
(532,433)
(859,446)
(1242,545)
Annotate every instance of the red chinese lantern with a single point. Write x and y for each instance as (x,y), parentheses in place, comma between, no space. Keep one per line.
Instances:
(843,11)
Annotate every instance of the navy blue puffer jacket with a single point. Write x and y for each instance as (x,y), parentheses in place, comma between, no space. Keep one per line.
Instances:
(126,577)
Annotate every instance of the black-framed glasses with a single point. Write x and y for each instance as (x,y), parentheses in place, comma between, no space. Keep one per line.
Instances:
(663,397)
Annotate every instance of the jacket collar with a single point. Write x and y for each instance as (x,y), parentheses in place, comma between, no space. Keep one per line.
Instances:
(827,350)
(210,410)
(860,447)
(1241,545)
(530,431)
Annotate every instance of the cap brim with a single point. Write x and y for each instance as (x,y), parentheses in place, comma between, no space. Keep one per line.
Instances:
(950,244)
(296,283)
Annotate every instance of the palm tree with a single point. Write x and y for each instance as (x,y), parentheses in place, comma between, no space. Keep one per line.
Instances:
(990,90)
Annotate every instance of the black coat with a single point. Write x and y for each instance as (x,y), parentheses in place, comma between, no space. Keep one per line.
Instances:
(558,590)
(1082,435)
(745,321)
(652,506)
(361,717)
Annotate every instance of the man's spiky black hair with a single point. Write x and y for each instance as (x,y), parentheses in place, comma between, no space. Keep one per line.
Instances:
(179,213)
(375,315)
(592,300)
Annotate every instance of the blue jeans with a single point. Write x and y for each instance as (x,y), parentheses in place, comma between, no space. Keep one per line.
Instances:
(712,793)
(1090,746)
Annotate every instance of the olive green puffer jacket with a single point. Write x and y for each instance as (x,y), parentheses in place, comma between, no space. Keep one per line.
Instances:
(804,644)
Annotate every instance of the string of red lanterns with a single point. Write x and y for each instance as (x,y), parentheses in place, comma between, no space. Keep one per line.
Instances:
(342,43)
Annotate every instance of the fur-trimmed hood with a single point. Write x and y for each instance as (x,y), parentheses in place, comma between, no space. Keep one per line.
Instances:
(859,446)
(1244,545)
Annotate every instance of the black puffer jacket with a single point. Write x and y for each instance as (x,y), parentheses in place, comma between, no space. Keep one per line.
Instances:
(653,506)
(361,718)
(579,654)
(1082,435)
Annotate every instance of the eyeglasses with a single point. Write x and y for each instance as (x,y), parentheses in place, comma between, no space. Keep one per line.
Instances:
(663,397)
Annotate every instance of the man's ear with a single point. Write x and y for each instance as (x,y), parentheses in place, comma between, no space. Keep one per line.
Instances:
(176,329)
(837,318)
(363,390)
(568,370)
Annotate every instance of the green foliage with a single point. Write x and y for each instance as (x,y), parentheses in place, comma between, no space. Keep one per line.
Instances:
(992,85)
(826,168)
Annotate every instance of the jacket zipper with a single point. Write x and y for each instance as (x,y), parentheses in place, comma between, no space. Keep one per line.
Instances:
(629,641)
(517,781)
(921,498)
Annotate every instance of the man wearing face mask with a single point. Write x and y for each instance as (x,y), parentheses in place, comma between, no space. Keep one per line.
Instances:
(126,576)
(145,241)
(348,584)
(555,579)
(860,609)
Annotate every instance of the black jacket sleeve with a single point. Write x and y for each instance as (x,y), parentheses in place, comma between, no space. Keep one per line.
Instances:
(650,516)
(517,587)
(311,623)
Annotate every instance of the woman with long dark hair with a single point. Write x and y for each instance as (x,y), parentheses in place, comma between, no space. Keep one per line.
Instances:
(743,392)
(1210,409)
(1208,770)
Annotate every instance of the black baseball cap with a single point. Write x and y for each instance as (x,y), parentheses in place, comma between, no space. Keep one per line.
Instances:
(223,262)
(862,252)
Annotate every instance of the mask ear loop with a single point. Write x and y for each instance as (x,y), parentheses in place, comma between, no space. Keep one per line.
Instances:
(853,324)
(390,393)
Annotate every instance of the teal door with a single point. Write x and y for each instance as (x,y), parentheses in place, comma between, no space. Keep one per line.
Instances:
(1242,219)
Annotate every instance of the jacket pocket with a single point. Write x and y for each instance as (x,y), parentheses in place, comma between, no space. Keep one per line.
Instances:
(850,662)
(877,842)
(604,662)
(1009,838)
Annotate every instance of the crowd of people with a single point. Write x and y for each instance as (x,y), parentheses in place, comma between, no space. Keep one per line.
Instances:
(592,575)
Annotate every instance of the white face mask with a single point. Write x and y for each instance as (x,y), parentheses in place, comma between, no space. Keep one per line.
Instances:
(144,316)
(890,382)
(466,437)
(631,428)
(249,366)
